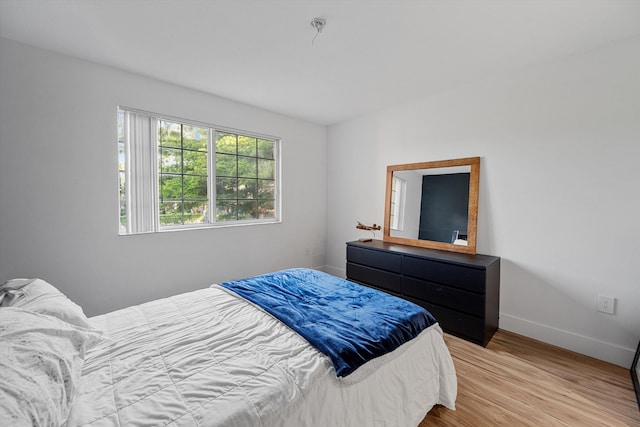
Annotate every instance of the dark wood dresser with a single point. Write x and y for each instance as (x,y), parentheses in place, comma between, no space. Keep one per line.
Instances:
(462,291)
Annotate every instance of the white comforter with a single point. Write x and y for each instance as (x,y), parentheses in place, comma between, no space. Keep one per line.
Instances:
(209,358)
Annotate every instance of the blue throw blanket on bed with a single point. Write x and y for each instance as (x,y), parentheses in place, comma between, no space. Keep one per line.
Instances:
(350,323)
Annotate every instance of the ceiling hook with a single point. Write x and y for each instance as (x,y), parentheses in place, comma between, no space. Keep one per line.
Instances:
(318,24)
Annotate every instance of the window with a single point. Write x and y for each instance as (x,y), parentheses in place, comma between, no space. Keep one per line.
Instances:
(176,174)
(183,173)
(245,177)
(396,217)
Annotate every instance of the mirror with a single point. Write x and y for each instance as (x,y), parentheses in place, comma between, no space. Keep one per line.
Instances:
(433,204)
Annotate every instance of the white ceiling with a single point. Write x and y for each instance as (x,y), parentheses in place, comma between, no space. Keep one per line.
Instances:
(371,54)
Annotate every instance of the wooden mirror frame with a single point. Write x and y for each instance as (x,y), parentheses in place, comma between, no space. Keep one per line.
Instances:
(474,181)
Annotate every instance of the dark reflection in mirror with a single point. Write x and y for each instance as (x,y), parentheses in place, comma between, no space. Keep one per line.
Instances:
(433,204)
(444,210)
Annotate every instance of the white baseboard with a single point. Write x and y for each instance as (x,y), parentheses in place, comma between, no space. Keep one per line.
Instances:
(588,346)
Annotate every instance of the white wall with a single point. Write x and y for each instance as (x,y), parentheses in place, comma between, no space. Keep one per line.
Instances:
(559,198)
(58,186)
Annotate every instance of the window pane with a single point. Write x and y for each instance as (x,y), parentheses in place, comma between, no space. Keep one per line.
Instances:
(195,187)
(195,162)
(194,138)
(266,149)
(225,143)
(226,165)
(195,212)
(123,201)
(266,169)
(247,167)
(171,213)
(170,187)
(122,180)
(170,160)
(247,209)
(246,146)
(226,188)
(226,210)
(254,166)
(170,134)
(120,125)
(121,156)
(266,189)
(266,209)
(247,188)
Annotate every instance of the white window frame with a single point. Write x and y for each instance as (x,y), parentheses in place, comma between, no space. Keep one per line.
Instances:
(211,222)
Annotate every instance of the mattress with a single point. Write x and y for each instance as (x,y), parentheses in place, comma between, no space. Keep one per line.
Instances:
(210,358)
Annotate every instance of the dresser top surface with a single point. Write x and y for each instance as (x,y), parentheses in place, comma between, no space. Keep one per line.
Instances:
(453,257)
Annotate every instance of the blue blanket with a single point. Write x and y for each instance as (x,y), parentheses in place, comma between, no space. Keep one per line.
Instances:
(350,323)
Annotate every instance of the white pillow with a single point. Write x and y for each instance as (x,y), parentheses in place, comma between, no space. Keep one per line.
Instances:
(41,359)
(42,297)
(8,291)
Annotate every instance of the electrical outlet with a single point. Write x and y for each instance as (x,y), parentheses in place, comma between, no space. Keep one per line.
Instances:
(606,304)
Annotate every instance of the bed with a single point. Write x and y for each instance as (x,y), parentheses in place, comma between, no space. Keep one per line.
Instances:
(206,358)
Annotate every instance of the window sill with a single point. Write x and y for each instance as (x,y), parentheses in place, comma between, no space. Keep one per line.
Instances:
(171,229)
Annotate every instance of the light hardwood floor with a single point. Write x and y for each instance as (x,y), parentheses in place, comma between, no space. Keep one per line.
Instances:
(517,381)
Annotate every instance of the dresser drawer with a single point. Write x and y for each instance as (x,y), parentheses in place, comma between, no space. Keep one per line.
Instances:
(456,299)
(378,278)
(381,260)
(455,323)
(471,279)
